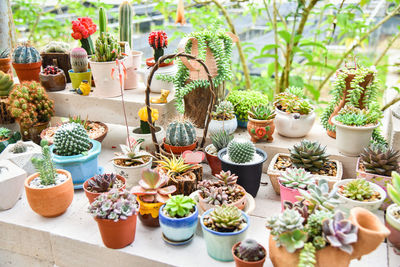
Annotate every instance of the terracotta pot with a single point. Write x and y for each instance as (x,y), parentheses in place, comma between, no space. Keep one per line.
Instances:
(28,72)
(61,60)
(150,62)
(33,133)
(53,82)
(241,263)
(214,162)
(260,130)
(393,224)
(288,194)
(179,149)
(5,65)
(240,204)
(117,234)
(148,213)
(52,201)
(92,196)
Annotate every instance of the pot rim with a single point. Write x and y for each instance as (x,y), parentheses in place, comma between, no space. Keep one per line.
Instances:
(194,214)
(71,71)
(96,218)
(390,219)
(260,121)
(36,174)
(27,65)
(52,75)
(360,203)
(182,147)
(231,204)
(248,262)
(106,62)
(233,119)
(134,167)
(151,205)
(288,188)
(258,150)
(277,110)
(356,128)
(92,153)
(206,150)
(224,233)
(150,64)
(138,127)
(85,184)
(7,59)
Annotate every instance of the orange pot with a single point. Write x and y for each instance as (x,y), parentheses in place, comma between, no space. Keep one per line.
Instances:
(240,204)
(241,263)
(52,201)
(179,149)
(117,234)
(5,65)
(261,130)
(92,196)
(28,72)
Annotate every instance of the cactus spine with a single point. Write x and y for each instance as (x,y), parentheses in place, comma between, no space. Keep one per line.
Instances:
(125,22)
(180,133)
(6,84)
(25,54)
(102,20)
(71,139)
(107,48)
(79,60)
(241,150)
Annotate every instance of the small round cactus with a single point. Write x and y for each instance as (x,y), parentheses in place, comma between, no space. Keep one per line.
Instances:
(180,133)
(56,47)
(241,150)
(79,60)
(250,250)
(71,139)
(25,54)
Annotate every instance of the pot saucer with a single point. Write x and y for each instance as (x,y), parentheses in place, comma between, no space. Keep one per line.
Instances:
(176,243)
(100,170)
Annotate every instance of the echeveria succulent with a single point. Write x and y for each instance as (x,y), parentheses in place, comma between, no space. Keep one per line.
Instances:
(296,178)
(179,206)
(102,183)
(318,196)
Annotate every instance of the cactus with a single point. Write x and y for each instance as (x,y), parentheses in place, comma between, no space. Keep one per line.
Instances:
(51,70)
(5,53)
(225,219)
(241,150)
(308,155)
(379,159)
(180,133)
(250,250)
(79,60)
(6,84)
(45,167)
(107,48)
(158,41)
(125,22)
(314,227)
(358,189)
(56,47)
(19,147)
(102,20)
(307,256)
(25,54)
(296,178)
(71,139)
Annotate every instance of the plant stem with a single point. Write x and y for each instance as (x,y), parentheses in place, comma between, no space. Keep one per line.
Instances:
(387,48)
(388,105)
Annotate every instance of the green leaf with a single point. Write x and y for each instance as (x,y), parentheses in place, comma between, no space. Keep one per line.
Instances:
(285,35)
(316,94)
(316,44)
(268,47)
(320,65)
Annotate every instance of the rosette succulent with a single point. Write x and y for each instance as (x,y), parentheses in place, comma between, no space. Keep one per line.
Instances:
(358,189)
(224,111)
(225,219)
(179,206)
(296,178)
(262,112)
(102,183)
(380,159)
(319,197)
(173,166)
(308,155)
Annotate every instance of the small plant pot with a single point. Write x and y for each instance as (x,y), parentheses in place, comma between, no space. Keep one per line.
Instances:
(260,130)
(77,78)
(241,123)
(5,65)
(288,194)
(53,82)
(393,224)
(240,204)
(148,213)
(293,125)
(132,174)
(213,161)
(91,196)
(106,84)
(229,126)
(219,244)
(249,174)
(147,144)
(11,184)
(23,160)
(33,132)
(61,60)
(52,201)
(241,263)
(28,72)
(132,79)
(179,149)
(178,230)
(157,85)
(117,234)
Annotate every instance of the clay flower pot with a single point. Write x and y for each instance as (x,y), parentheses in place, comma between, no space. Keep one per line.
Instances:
(393,224)
(179,149)
(28,72)
(51,201)
(288,194)
(33,132)
(92,196)
(53,82)
(213,161)
(240,204)
(241,263)
(5,65)
(148,213)
(106,85)
(261,130)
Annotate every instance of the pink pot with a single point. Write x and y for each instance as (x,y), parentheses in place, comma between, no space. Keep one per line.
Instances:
(132,77)
(288,194)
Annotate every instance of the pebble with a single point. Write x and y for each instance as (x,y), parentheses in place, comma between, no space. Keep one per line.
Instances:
(37,183)
(329,168)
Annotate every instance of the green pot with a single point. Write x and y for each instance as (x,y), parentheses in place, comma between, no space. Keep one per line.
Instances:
(77,78)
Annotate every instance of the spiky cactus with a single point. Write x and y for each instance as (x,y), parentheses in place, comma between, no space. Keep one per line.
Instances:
(107,48)
(379,159)
(45,167)
(19,147)
(25,54)
(221,139)
(180,133)
(102,20)
(79,60)
(158,41)
(6,84)
(358,189)
(296,178)
(241,150)
(308,155)
(307,256)
(71,139)
(250,250)
(125,22)
(56,47)
(225,219)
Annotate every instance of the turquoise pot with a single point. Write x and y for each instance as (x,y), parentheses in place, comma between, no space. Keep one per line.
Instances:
(81,167)
(178,229)
(219,244)
(241,123)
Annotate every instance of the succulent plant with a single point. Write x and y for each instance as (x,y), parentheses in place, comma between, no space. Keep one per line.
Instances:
(307,256)
(125,22)
(114,205)
(179,206)
(250,250)
(380,159)
(51,70)
(213,195)
(71,139)
(152,188)
(107,48)
(221,139)
(79,120)
(298,206)
(79,60)
(56,47)
(103,20)
(143,115)
(4,133)
(292,101)
(6,84)
(227,178)
(158,40)
(173,166)
(241,150)
(225,219)
(353,116)
(102,183)
(132,154)
(4,53)
(45,167)
(358,189)
(313,227)
(318,196)
(25,54)
(180,133)
(296,178)
(308,155)
(19,147)
(340,233)
(224,111)
(393,189)
(262,112)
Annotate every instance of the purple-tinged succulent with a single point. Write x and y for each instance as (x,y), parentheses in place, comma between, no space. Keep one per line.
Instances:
(102,183)
(250,250)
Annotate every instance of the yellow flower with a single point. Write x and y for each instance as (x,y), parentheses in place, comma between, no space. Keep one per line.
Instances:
(143,114)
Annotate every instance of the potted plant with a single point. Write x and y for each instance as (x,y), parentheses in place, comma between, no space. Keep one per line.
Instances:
(57,53)
(49,191)
(116,214)
(5,61)
(79,71)
(27,62)
(245,160)
(223,118)
(243,100)
(392,218)
(219,141)
(152,192)
(261,123)
(21,154)
(249,253)
(294,114)
(178,219)
(223,227)
(310,156)
(376,164)
(53,79)
(82,29)
(224,191)
(180,136)
(102,183)
(8,137)
(6,85)
(11,184)
(131,162)
(359,193)
(75,152)
(354,128)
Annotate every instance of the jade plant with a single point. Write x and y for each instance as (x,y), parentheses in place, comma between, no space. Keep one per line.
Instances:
(45,167)
(71,139)
(244,100)
(225,219)
(262,112)
(249,250)
(380,159)
(293,101)
(158,40)
(179,206)
(358,189)
(241,150)
(103,183)
(223,111)
(308,155)
(296,178)
(180,132)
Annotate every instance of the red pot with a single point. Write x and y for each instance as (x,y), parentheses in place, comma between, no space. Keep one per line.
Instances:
(288,194)
(5,65)
(92,196)
(179,149)
(241,263)
(28,72)
(150,62)
(214,162)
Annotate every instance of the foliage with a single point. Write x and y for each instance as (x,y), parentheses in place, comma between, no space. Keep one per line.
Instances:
(314,227)
(45,167)
(262,112)
(307,256)
(241,150)
(296,178)
(353,116)
(107,48)
(179,206)
(250,250)
(293,101)
(223,111)
(5,133)
(4,53)
(318,197)
(393,189)
(244,100)
(226,218)
(358,189)
(79,120)
(308,155)
(6,84)
(173,166)
(71,139)
(380,159)
(180,132)
(221,139)
(131,153)
(102,183)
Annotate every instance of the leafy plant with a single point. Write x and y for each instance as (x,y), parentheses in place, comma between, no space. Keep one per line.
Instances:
(308,155)
(293,101)
(4,133)
(307,256)
(393,189)
(221,139)
(179,206)
(296,178)
(358,189)
(132,154)
(102,183)
(318,196)
(353,116)
(250,250)
(225,219)
(173,166)
(107,48)
(44,166)
(380,159)
(223,111)
(243,101)
(262,112)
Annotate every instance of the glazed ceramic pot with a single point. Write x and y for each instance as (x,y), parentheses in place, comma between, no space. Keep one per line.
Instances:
(33,132)
(351,140)
(288,194)
(11,184)
(23,160)
(148,213)
(77,78)
(241,263)
(240,203)
(260,130)
(241,123)
(393,225)
(51,201)
(132,78)
(213,161)
(168,69)
(229,126)
(91,196)
(132,174)
(346,204)
(178,149)
(178,229)
(106,84)
(219,244)
(148,141)
(28,72)
(117,234)
(293,124)
(53,82)
(249,174)
(5,65)
(81,167)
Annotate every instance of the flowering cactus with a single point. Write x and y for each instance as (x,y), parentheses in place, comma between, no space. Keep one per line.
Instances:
(82,29)
(51,70)
(158,40)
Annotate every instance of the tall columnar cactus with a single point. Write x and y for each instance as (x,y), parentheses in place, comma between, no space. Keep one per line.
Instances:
(6,84)
(79,60)
(102,20)
(71,139)
(125,22)
(158,41)
(180,133)
(241,150)
(25,54)
(107,48)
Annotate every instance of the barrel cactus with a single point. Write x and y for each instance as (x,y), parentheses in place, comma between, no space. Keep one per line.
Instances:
(6,84)
(125,22)
(56,47)
(180,133)
(158,40)
(250,250)
(107,48)
(25,54)
(79,60)
(241,150)
(71,139)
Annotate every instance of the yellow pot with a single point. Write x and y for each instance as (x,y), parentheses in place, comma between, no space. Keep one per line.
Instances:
(77,78)
(148,213)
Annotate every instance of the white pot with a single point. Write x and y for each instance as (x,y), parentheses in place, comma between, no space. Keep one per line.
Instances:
(106,85)
(11,184)
(148,141)
(156,84)
(215,126)
(133,64)
(351,140)
(132,174)
(347,204)
(23,160)
(293,124)
(390,219)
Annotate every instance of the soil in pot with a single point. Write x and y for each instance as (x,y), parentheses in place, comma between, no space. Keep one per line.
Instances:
(329,168)
(127,163)
(237,198)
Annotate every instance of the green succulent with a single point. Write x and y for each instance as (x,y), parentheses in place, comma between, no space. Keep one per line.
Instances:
(4,133)
(19,147)
(244,100)
(358,189)
(262,112)
(227,218)
(296,178)
(307,256)
(380,159)
(287,221)
(314,226)
(319,242)
(394,188)
(293,101)
(308,155)
(45,167)
(241,150)
(224,111)
(319,197)
(353,116)
(179,206)
(221,139)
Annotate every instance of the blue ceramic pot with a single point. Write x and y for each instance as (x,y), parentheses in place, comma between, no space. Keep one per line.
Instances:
(178,229)
(219,244)
(241,123)
(81,167)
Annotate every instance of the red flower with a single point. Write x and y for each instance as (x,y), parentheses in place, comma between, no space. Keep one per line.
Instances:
(83,28)
(261,132)
(158,39)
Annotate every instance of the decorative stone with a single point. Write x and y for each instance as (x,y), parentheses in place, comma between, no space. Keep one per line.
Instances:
(11,184)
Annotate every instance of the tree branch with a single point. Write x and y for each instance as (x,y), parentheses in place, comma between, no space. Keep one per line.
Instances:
(387,48)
